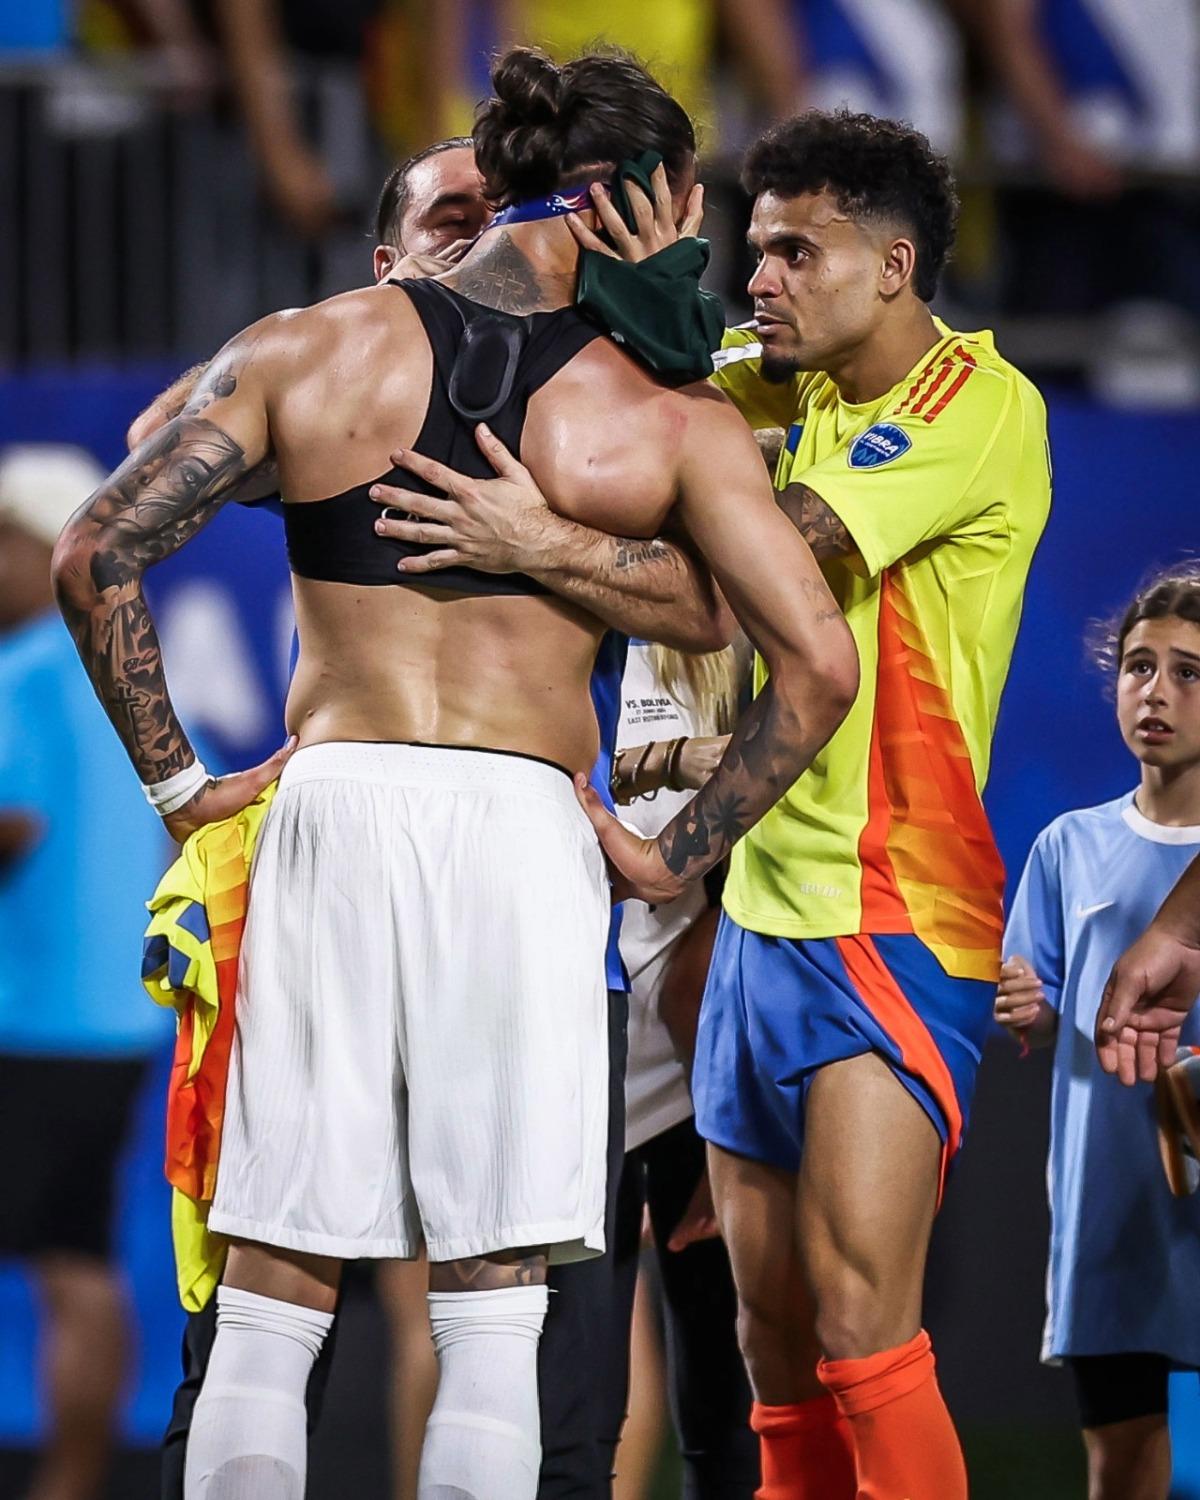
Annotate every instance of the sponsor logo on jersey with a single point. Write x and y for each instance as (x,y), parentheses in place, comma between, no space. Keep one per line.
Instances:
(878,445)
(793,437)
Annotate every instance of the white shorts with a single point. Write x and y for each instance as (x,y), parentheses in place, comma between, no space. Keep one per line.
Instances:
(422,1045)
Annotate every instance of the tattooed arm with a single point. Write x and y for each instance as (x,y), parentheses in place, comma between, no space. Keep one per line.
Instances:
(189,389)
(774,586)
(816,521)
(654,589)
(157,500)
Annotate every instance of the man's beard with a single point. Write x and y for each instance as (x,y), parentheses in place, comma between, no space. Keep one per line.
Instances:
(778,369)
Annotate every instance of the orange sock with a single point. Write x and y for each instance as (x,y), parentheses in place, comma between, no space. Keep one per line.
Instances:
(806,1451)
(904,1440)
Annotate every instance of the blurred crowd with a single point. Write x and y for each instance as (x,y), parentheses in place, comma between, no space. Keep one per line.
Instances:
(1075,129)
(1075,125)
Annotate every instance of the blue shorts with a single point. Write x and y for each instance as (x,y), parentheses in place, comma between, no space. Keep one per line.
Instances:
(777,1009)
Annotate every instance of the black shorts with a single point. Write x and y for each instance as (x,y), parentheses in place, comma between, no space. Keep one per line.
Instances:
(1119,1387)
(63,1122)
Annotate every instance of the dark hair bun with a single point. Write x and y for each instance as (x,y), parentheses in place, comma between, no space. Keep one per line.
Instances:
(529,86)
(518,133)
(544,123)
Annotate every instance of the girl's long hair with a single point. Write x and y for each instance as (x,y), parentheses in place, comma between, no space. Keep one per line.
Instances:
(708,683)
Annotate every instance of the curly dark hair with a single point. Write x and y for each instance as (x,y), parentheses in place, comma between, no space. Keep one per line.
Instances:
(1171,591)
(875,168)
(546,123)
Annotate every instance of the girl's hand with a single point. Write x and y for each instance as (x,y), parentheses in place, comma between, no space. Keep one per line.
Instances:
(1019,996)
(1021,1005)
(656,226)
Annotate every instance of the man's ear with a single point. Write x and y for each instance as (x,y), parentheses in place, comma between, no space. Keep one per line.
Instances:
(385,260)
(899,267)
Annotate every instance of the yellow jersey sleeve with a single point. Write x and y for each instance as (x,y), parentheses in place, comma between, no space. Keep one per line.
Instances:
(921,472)
(762,402)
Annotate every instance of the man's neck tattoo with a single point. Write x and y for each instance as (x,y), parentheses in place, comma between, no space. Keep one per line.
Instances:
(503,277)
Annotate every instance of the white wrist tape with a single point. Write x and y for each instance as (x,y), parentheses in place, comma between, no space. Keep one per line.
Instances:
(166,797)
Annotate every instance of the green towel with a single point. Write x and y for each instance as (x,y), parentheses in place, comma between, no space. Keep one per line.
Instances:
(654,309)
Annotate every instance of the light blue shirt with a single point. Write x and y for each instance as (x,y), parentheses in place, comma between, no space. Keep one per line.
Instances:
(1124,1267)
(72,910)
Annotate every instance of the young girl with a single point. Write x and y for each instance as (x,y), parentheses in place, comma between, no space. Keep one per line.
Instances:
(1124,1254)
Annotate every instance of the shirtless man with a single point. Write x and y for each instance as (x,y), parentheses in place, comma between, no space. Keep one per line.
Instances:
(421,1008)
(430,210)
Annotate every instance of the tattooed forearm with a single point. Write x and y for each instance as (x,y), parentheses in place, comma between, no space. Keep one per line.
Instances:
(757,768)
(654,589)
(631,554)
(815,521)
(160,497)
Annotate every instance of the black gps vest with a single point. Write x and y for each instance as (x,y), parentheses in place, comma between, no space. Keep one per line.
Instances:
(486,366)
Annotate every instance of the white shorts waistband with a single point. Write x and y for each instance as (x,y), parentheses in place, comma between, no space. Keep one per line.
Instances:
(406,765)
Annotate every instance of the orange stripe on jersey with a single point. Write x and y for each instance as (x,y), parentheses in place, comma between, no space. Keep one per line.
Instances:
(929,862)
(943,375)
(918,385)
(963,376)
(919,1053)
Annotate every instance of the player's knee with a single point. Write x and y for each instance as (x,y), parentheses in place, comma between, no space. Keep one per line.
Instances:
(857,1313)
(82,1291)
(768,1328)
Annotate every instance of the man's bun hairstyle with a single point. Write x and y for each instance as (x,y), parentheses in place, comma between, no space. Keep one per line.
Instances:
(545,123)
(874,168)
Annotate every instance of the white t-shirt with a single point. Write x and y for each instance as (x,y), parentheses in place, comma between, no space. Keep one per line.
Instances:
(657,1095)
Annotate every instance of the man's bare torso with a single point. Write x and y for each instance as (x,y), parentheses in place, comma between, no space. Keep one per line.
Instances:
(350,384)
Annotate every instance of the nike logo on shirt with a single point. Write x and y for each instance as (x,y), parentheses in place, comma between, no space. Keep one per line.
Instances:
(1086,911)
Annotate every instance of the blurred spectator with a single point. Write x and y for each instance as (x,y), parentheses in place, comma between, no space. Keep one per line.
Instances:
(903,60)
(676,39)
(79,852)
(1103,100)
(262,41)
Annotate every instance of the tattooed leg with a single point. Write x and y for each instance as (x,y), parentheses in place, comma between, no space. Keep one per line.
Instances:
(483,1441)
(487,1273)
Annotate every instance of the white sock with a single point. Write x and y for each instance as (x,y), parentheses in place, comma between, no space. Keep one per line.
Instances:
(483,1440)
(249,1438)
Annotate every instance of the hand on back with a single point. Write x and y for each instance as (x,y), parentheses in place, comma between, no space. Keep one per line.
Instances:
(223,796)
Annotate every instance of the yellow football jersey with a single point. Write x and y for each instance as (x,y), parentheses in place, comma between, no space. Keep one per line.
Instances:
(944,485)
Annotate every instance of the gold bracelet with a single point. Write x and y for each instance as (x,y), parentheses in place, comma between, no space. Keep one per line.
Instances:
(626,789)
(674,755)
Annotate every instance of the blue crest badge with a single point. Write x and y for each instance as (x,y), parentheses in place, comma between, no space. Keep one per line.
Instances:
(878,445)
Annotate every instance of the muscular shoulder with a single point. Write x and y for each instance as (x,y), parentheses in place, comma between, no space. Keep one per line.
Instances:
(713,420)
(604,439)
(362,315)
